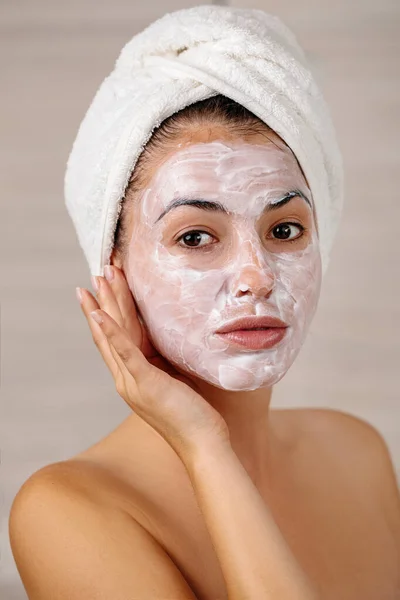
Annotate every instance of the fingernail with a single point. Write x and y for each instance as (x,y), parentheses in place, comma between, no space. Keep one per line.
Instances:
(109,272)
(98,318)
(79,294)
(95,283)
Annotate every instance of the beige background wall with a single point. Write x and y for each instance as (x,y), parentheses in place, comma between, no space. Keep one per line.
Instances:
(56,395)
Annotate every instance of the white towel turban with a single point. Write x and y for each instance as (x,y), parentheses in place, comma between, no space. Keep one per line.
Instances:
(185,56)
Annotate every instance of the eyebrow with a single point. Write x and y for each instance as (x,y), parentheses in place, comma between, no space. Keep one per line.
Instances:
(218,207)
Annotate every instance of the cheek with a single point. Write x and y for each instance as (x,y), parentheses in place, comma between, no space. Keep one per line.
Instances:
(148,276)
(302,281)
(170,296)
(156,292)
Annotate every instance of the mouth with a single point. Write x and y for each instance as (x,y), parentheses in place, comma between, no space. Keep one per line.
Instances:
(251,323)
(253,333)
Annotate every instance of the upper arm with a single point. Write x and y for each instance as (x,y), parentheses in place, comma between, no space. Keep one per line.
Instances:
(67,546)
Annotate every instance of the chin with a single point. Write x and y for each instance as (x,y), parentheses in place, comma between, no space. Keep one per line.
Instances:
(235,379)
(243,372)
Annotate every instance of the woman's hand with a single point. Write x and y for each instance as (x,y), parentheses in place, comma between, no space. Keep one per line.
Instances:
(149,384)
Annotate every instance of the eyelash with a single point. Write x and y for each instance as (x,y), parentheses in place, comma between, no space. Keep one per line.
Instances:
(303,230)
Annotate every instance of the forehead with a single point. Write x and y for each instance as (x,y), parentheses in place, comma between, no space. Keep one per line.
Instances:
(232,171)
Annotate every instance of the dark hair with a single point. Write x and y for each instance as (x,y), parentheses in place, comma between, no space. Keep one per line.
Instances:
(219,110)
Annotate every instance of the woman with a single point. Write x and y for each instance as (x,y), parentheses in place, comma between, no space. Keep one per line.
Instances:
(213,278)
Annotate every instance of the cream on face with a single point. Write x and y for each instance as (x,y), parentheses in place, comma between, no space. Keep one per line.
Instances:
(192,270)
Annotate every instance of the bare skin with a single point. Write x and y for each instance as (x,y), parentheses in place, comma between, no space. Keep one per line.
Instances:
(324,475)
(321,500)
(246,413)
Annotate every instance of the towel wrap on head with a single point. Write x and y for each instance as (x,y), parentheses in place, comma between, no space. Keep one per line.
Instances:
(188,55)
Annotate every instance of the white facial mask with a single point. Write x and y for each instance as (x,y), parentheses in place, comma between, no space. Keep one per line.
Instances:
(184,296)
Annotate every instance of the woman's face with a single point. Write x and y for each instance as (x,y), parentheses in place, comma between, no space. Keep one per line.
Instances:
(193,267)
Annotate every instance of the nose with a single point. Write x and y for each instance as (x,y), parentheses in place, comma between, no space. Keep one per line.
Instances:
(253,275)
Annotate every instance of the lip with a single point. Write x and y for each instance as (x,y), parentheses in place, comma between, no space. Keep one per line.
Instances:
(255,339)
(252,322)
(245,332)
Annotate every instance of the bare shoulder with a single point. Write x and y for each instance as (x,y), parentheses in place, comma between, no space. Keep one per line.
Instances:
(333,424)
(329,420)
(361,452)
(343,433)
(68,535)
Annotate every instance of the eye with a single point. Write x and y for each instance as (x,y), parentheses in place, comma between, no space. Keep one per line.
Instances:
(192,239)
(287,231)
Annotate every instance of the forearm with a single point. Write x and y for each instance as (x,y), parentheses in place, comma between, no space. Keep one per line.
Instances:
(255,559)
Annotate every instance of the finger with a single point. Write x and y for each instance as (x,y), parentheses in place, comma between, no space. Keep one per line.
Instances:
(89,304)
(128,353)
(126,303)
(107,302)
(106,298)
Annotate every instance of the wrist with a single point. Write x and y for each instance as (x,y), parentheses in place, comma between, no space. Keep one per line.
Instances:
(205,447)
(202,447)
